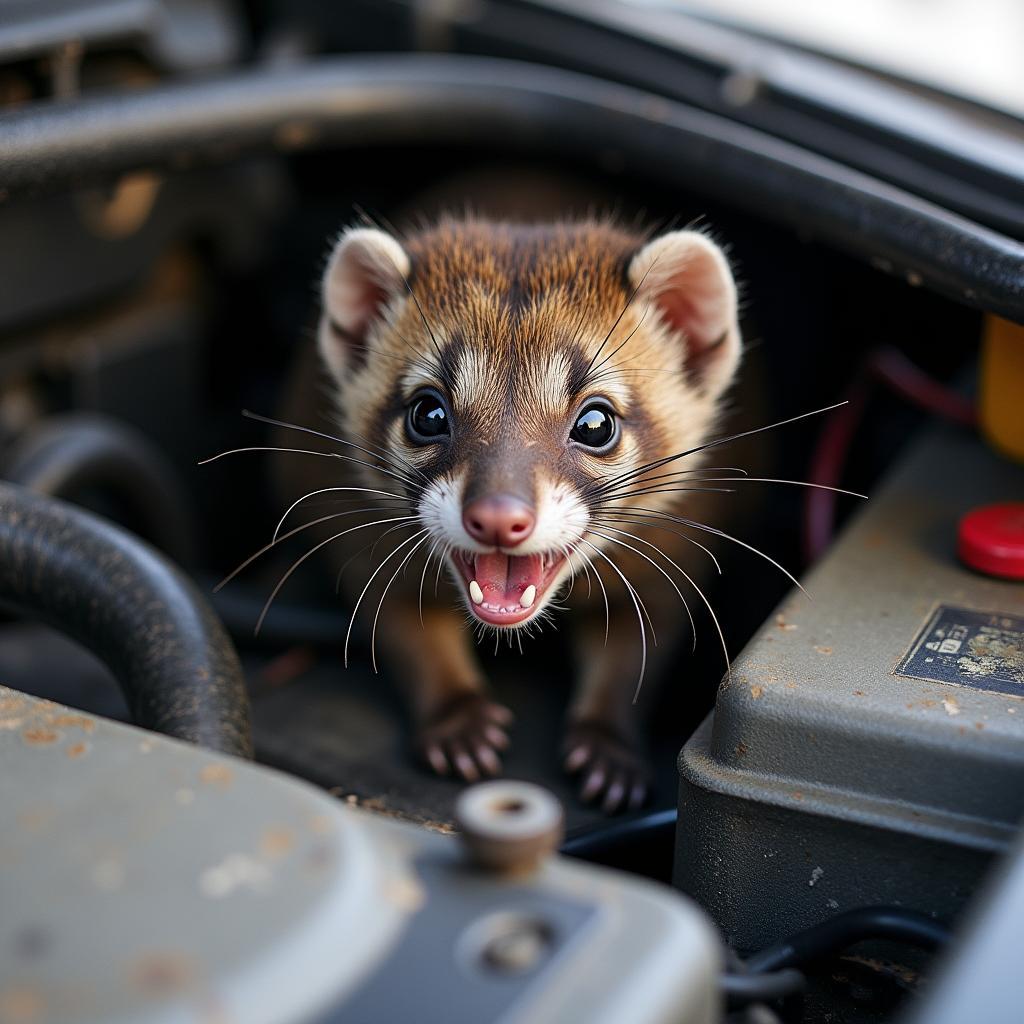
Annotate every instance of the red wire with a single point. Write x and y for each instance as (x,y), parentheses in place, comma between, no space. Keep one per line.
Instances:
(911,383)
(892,368)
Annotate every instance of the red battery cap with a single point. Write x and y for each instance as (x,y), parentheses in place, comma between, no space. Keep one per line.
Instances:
(991,540)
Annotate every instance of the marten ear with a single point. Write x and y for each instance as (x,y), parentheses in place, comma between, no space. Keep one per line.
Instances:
(366,271)
(685,278)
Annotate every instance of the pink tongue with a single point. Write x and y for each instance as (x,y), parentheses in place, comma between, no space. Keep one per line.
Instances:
(505,577)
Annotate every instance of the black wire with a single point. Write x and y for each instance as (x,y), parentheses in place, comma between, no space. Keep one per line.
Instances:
(830,937)
(742,989)
(600,842)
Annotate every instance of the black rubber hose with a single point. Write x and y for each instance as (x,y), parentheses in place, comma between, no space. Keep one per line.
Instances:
(834,935)
(742,989)
(65,455)
(442,99)
(133,608)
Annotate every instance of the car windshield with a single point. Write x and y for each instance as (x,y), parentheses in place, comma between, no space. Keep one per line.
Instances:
(971,48)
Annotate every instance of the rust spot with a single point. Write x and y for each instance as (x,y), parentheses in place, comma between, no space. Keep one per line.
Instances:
(35,817)
(163,974)
(72,721)
(781,623)
(405,893)
(21,1004)
(40,737)
(320,824)
(741,749)
(217,775)
(858,693)
(757,692)
(822,650)
(905,974)
(798,795)
(979,725)
(11,704)
(276,842)
(77,749)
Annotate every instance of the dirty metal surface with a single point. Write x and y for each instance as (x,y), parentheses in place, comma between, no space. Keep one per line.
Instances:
(146,880)
(830,776)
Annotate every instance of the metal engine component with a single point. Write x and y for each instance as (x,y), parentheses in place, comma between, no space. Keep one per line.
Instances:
(509,826)
(146,879)
(869,746)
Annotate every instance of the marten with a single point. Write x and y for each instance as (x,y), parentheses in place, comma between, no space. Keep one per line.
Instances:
(517,408)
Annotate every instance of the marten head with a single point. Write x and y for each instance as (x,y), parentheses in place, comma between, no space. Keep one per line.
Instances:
(517,380)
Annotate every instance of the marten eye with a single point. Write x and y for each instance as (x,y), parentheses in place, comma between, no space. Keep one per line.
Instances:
(596,427)
(427,419)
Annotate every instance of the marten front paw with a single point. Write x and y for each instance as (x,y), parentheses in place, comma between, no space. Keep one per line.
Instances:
(465,736)
(611,768)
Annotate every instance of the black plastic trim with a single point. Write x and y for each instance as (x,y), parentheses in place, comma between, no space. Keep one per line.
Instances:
(435,99)
(958,153)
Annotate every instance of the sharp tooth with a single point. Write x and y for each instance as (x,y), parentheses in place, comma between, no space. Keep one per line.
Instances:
(475,592)
(529,596)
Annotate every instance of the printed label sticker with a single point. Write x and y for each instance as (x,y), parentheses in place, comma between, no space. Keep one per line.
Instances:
(965,647)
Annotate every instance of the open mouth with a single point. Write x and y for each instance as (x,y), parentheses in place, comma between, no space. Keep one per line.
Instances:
(505,590)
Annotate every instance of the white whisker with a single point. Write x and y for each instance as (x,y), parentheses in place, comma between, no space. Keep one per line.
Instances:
(328,490)
(693,524)
(637,604)
(327,437)
(423,576)
(373,576)
(291,533)
(380,604)
(672,582)
(281,582)
(657,463)
(624,516)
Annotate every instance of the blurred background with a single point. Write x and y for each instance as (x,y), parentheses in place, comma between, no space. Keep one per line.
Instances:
(967,48)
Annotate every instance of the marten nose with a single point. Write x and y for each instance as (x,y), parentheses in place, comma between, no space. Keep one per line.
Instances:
(501,521)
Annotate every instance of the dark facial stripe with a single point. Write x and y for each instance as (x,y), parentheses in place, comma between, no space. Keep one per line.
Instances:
(577,376)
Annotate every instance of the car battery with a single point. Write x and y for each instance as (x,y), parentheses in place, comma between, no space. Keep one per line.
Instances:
(868,745)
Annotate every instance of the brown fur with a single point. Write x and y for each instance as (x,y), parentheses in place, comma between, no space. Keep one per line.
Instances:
(505,320)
